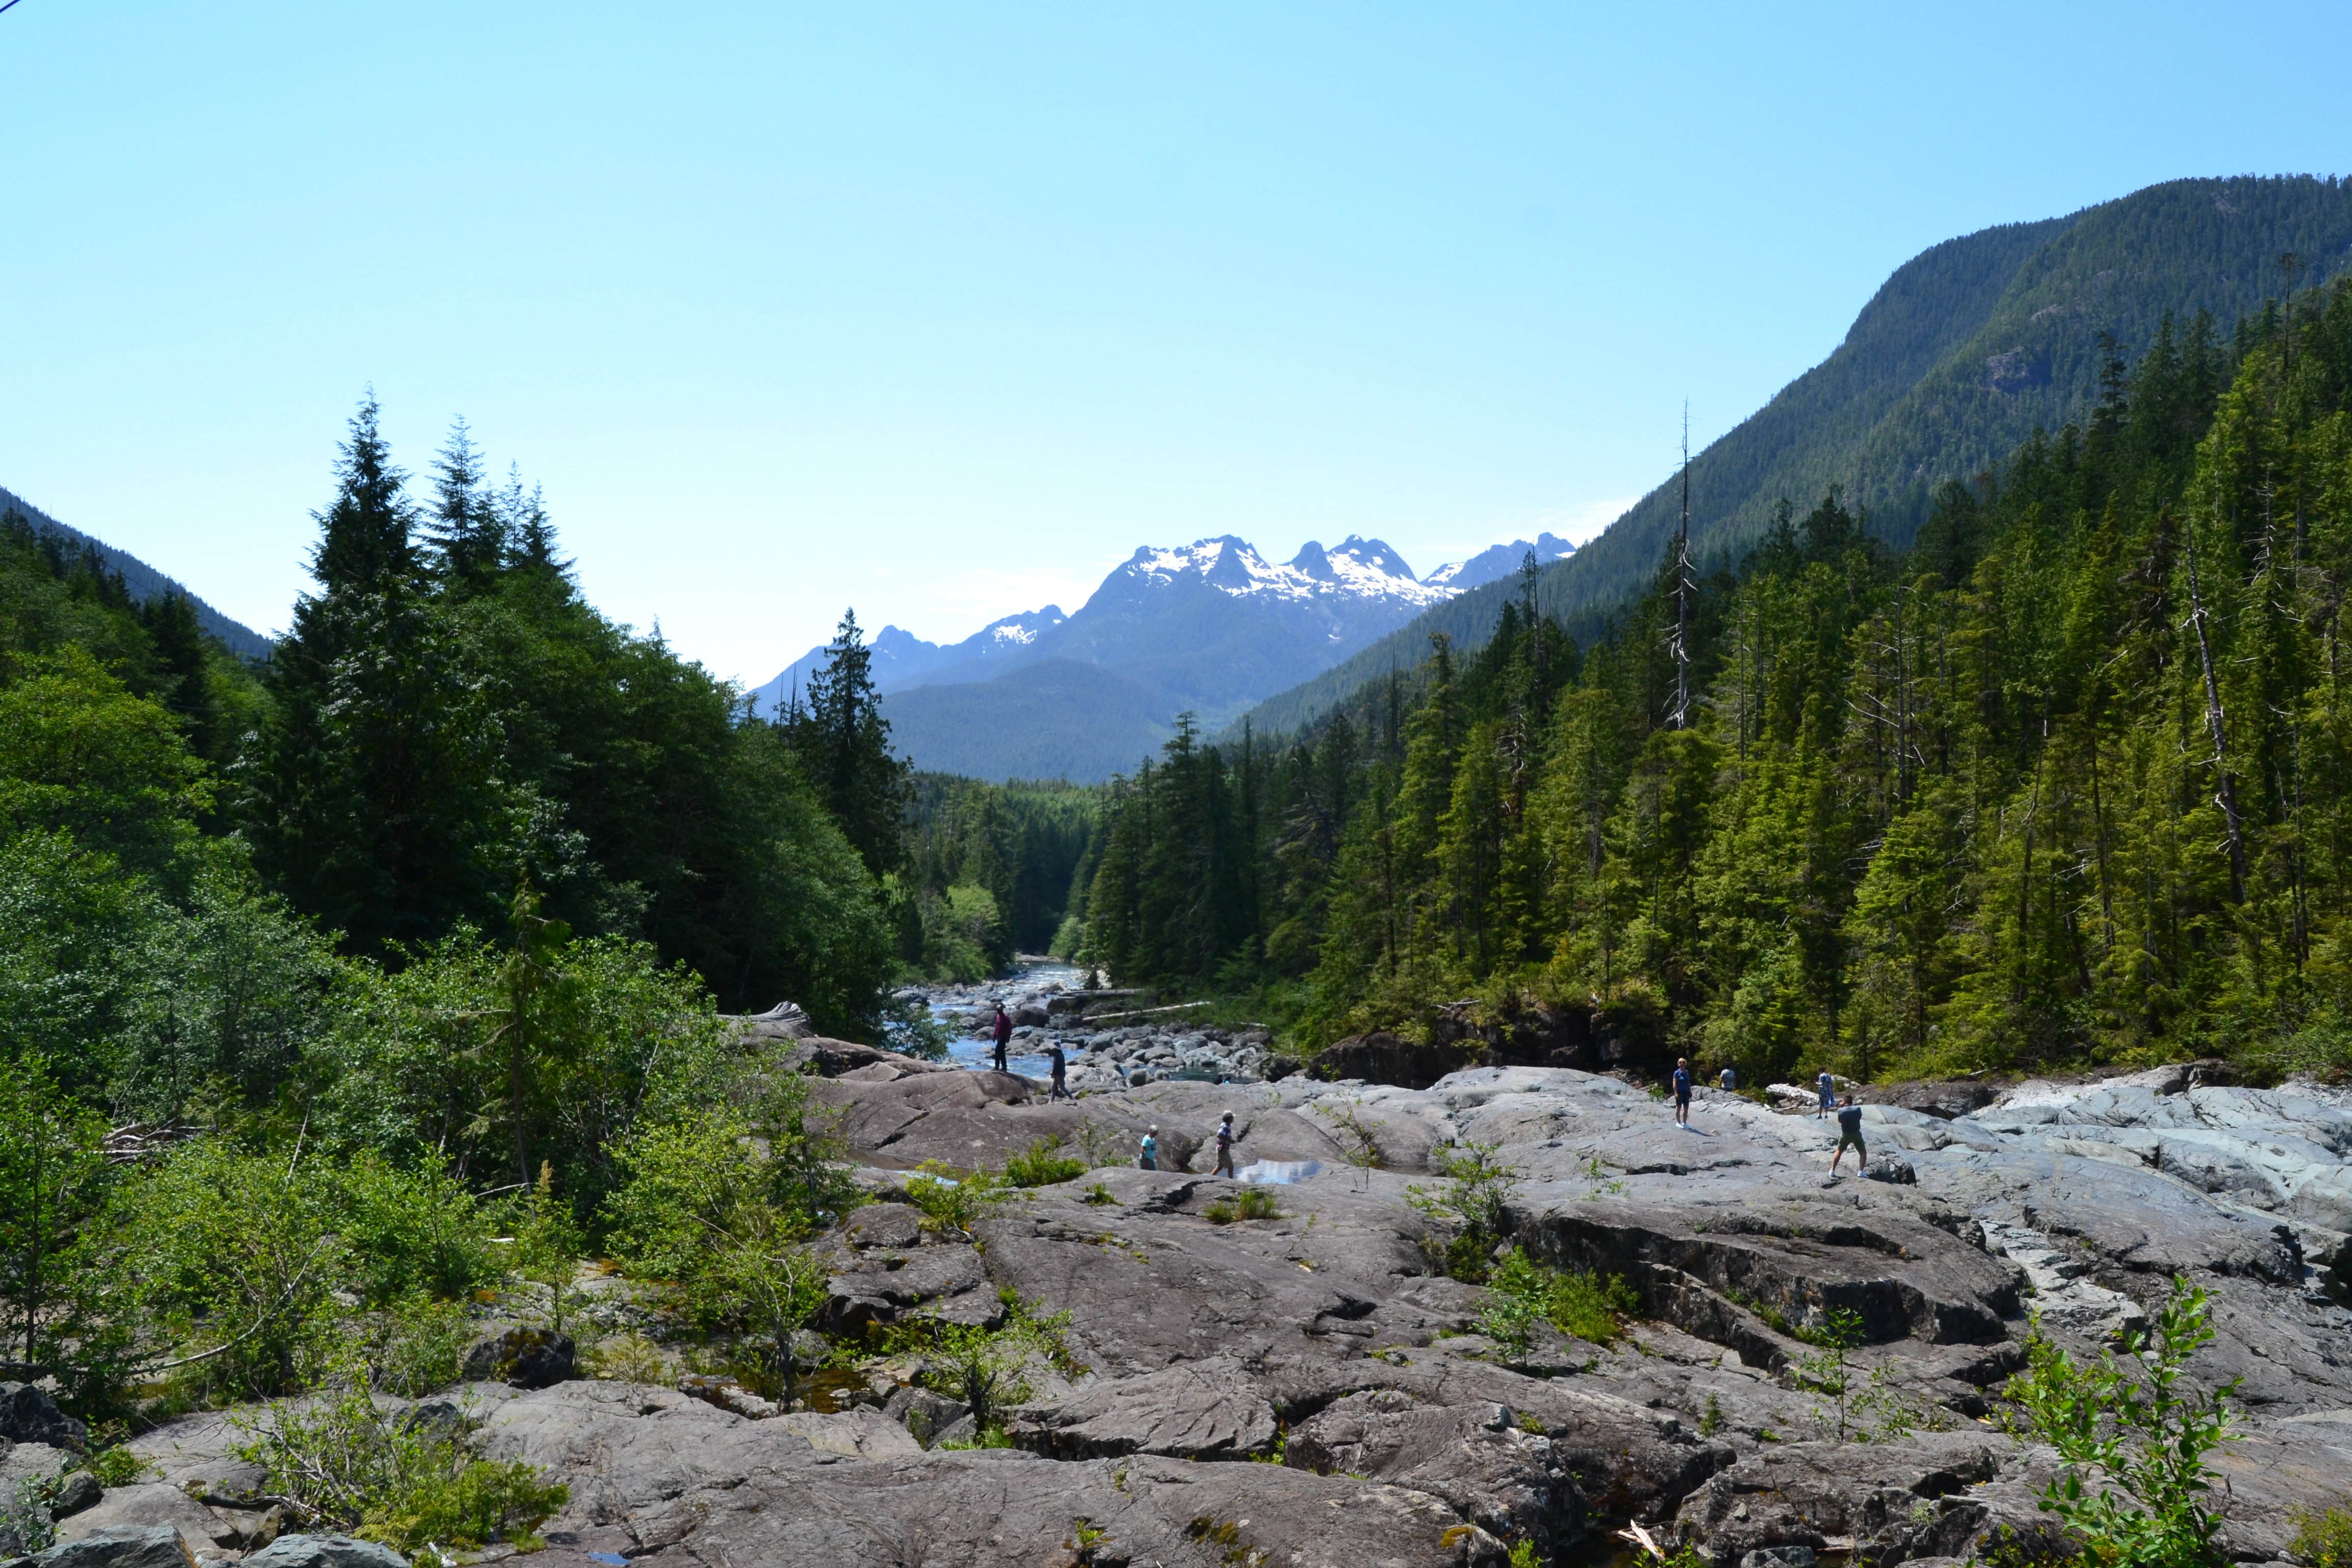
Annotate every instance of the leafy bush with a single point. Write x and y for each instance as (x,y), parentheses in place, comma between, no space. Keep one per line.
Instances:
(418,1345)
(1829,1371)
(721,1213)
(1249,1203)
(346,1465)
(1522,1292)
(412,1233)
(987,1368)
(2323,1538)
(1471,1213)
(2134,1437)
(1043,1164)
(626,1357)
(952,1203)
(24,1525)
(239,1254)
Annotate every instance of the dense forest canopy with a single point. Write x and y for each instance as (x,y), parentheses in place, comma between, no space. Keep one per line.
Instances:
(336,987)
(2067,778)
(1961,354)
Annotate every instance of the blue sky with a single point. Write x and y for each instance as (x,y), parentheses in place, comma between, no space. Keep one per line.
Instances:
(940,311)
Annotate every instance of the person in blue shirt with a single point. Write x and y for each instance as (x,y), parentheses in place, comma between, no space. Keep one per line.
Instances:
(1682,1091)
(1828,1087)
(1730,1079)
(1149,1159)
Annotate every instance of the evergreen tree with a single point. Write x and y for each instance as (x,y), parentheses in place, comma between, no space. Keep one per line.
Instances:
(844,743)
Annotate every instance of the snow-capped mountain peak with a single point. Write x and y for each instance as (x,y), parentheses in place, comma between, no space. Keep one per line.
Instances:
(1354,568)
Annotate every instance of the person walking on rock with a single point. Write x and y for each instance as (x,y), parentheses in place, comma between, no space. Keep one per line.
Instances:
(1682,1091)
(1004,1033)
(1058,1089)
(1150,1158)
(1225,1148)
(1849,1134)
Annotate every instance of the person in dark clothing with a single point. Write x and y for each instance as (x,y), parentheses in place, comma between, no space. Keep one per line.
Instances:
(1224,1147)
(1682,1091)
(1058,1089)
(1004,1035)
(1849,1134)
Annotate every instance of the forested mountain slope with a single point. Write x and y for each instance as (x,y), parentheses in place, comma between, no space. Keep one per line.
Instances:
(145,582)
(2070,777)
(1961,354)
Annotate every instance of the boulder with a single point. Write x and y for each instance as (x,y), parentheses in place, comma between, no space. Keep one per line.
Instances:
(1486,1464)
(27,1414)
(75,1492)
(1892,1169)
(1383,1058)
(325,1552)
(1196,1410)
(1915,1497)
(119,1546)
(521,1357)
(925,1414)
(147,1505)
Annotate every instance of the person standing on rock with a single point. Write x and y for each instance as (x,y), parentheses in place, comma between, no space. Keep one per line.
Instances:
(1225,1148)
(1149,1159)
(1730,1079)
(1828,1087)
(1682,1091)
(1004,1033)
(1849,1133)
(1058,1089)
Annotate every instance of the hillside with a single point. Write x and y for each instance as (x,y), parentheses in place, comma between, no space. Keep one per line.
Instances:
(144,580)
(1963,353)
(1058,719)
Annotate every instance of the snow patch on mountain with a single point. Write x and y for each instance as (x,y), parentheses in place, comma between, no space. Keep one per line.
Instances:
(1354,568)
(1497,561)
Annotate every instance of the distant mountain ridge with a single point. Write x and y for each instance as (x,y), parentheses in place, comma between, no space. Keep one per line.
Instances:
(1207,627)
(144,581)
(1957,358)
(1498,562)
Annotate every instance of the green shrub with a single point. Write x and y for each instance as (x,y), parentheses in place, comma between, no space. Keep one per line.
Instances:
(2323,1538)
(988,1368)
(1042,1165)
(953,1203)
(413,1232)
(1470,1214)
(2134,1437)
(1522,1292)
(1249,1203)
(238,1257)
(417,1345)
(346,1465)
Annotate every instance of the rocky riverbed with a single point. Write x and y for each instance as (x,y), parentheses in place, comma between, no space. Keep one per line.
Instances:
(1108,1037)
(1307,1389)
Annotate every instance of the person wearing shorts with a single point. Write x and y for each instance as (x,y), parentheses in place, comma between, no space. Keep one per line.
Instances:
(1225,1147)
(1682,1091)
(1828,1088)
(1849,1136)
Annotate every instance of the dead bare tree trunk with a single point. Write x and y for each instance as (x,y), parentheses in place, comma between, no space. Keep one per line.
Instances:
(2225,794)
